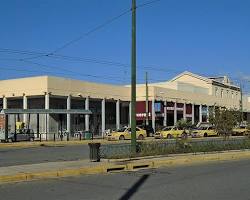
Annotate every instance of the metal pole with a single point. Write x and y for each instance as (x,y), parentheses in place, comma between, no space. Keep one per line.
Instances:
(146,77)
(61,136)
(37,125)
(46,131)
(133,79)
(241,103)
(6,126)
(15,136)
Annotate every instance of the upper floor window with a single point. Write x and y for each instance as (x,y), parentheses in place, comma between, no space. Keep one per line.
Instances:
(216,92)
(222,93)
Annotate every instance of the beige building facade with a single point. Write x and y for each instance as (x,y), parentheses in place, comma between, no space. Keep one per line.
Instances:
(185,96)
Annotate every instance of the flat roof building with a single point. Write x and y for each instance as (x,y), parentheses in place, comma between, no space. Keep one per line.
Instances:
(185,96)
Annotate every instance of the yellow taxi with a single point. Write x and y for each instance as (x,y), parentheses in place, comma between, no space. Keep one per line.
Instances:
(170,132)
(242,130)
(125,134)
(206,131)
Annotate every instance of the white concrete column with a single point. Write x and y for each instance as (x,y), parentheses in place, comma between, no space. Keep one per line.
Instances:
(184,111)
(69,115)
(5,102)
(47,127)
(118,114)
(165,114)
(87,116)
(153,114)
(103,117)
(130,114)
(200,113)
(192,113)
(25,106)
(175,113)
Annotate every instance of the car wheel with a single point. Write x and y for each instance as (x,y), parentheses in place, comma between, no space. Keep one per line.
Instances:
(141,137)
(169,136)
(31,139)
(121,137)
(205,135)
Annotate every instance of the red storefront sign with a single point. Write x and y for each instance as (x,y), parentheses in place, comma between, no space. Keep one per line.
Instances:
(159,106)
(141,110)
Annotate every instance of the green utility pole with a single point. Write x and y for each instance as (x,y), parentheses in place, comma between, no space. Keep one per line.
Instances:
(146,79)
(133,79)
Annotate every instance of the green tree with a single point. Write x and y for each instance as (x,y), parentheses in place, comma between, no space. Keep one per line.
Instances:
(183,124)
(248,127)
(224,120)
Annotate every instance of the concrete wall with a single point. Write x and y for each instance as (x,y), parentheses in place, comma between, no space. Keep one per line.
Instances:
(28,86)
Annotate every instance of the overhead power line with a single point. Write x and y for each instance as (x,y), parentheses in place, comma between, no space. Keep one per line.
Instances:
(95,29)
(88,60)
(92,60)
(109,21)
(147,3)
(74,72)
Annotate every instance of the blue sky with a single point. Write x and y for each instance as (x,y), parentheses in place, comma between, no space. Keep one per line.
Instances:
(208,37)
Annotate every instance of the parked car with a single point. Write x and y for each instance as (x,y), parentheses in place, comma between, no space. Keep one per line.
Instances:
(170,132)
(204,132)
(125,134)
(22,135)
(241,130)
(149,130)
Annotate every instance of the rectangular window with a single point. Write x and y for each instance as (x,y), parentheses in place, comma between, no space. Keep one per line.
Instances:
(216,91)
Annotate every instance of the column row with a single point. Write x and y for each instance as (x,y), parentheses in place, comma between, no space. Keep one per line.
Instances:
(68,107)
(175,111)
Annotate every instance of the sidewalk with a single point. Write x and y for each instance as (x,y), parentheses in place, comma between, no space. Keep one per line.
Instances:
(57,143)
(85,167)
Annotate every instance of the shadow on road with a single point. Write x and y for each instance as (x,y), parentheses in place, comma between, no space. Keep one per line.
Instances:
(135,187)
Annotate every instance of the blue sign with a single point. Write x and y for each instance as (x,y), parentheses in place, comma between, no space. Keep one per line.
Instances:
(157,106)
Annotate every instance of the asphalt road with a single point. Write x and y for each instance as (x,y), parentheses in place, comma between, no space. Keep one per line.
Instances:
(20,156)
(227,180)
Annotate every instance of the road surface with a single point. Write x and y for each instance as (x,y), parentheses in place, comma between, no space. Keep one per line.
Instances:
(227,180)
(20,156)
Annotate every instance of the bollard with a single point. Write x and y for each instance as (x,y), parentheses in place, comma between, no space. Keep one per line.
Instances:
(80,136)
(61,136)
(40,137)
(54,137)
(67,136)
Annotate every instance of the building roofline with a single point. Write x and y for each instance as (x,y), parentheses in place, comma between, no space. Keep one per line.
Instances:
(193,75)
(26,77)
(60,77)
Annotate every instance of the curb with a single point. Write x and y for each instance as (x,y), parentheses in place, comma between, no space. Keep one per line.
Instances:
(54,144)
(122,166)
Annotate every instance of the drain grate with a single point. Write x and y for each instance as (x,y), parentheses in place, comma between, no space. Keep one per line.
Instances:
(115,169)
(140,166)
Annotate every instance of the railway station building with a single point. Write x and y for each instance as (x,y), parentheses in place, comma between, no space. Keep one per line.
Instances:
(186,96)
